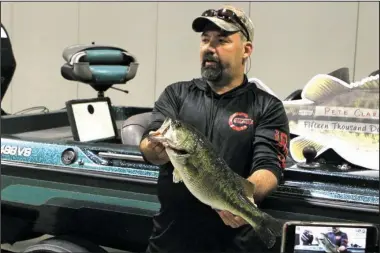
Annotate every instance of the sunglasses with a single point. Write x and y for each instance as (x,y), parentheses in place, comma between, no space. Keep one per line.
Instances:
(228,16)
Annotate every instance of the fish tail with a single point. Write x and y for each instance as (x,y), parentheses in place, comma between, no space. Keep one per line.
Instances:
(269,230)
(266,226)
(273,224)
(266,236)
(291,108)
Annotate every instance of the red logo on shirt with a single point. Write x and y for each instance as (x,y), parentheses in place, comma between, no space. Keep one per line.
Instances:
(239,121)
(282,142)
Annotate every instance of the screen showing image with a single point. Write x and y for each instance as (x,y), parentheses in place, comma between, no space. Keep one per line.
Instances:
(317,239)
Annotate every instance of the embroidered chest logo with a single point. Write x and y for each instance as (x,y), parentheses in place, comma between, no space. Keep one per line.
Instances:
(239,121)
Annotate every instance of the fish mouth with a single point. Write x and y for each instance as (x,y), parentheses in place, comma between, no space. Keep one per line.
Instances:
(165,129)
(177,151)
(159,136)
(168,144)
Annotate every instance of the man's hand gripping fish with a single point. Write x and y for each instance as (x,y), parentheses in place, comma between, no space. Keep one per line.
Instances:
(210,180)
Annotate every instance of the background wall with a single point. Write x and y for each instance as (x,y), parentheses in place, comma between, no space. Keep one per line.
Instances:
(293,42)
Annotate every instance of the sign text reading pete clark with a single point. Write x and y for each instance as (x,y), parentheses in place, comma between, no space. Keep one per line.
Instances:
(351,112)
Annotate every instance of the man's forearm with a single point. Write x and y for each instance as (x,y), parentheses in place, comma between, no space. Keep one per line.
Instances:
(265,183)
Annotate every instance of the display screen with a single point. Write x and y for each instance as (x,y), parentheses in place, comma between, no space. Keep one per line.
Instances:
(318,239)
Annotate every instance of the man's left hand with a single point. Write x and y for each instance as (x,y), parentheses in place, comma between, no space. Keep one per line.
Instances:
(231,220)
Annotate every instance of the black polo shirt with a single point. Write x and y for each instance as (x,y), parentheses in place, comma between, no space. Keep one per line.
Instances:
(247,126)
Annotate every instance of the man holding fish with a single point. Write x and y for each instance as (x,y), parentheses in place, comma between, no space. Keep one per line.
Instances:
(221,144)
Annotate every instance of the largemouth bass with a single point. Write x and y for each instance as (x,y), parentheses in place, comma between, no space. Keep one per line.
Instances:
(208,177)
(326,244)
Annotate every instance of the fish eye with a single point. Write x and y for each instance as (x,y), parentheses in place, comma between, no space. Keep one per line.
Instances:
(177,123)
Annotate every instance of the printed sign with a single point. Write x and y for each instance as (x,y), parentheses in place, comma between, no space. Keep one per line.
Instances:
(333,114)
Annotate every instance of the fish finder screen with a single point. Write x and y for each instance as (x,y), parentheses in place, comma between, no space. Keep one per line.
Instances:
(317,239)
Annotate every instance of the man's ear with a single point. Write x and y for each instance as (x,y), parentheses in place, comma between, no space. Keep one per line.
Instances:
(248,49)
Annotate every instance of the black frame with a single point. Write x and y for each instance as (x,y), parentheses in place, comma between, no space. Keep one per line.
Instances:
(72,121)
(289,229)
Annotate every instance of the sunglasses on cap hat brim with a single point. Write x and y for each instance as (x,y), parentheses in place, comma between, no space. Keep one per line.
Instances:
(226,15)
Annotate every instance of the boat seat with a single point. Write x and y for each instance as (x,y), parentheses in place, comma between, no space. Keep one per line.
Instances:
(99,66)
(133,128)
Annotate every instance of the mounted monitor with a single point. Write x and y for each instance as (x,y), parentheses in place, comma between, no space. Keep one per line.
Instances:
(91,119)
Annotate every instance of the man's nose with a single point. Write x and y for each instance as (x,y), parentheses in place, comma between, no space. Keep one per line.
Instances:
(211,46)
(210,51)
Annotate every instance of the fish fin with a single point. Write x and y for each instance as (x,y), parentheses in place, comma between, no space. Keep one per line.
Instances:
(176,176)
(297,145)
(341,73)
(250,198)
(248,189)
(367,83)
(321,86)
(182,159)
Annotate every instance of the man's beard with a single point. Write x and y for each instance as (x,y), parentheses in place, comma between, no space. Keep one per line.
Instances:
(214,72)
